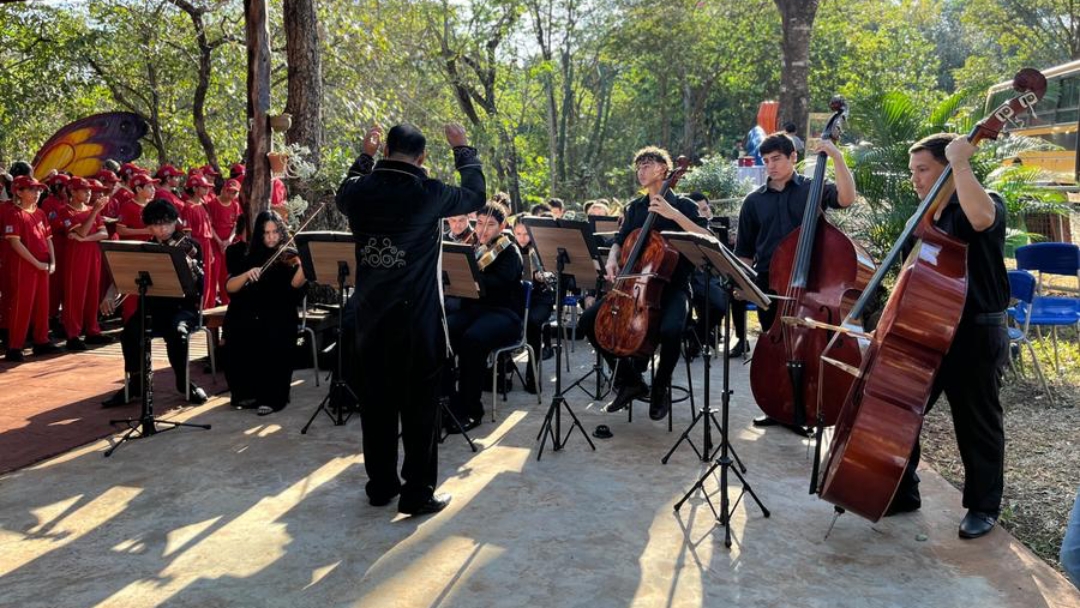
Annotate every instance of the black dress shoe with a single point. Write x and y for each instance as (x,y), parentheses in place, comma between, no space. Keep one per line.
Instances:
(738,350)
(547,353)
(100,339)
(530,385)
(466,425)
(75,344)
(626,396)
(434,504)
(14,355)
(763,421)
(976,524)
(196,395)
(659,403)
(46,348)
(382,501)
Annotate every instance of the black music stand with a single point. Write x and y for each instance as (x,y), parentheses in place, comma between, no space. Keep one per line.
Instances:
(155,270)
(460,279)
(566,246)
(328,258)
(716,258)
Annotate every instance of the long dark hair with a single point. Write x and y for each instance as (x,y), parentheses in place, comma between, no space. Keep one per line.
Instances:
(257,249)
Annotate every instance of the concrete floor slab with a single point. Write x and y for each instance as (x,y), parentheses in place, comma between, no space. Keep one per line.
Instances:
(251,513)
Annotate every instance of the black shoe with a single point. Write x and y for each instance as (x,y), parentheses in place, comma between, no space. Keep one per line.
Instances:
(903,504)
(976,524)
(626,396)
(46,348)
(118,399)
(75,344)
(99,339)
(763,421)
(738,350)
(659,403)
(196,395)
(436,503)
(382,501)
(547,353)
(466,425)
(14,355)
(530,385)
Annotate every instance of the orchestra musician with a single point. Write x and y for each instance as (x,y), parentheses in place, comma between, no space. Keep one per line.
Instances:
(460,230)
(543,300)
(489,322)
(675,213)
(711,293)
(971,373)
(261,321)
(395,213)
(170,318)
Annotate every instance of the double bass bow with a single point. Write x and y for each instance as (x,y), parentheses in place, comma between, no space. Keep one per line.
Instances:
(628,320)
(882,414)
(818,270)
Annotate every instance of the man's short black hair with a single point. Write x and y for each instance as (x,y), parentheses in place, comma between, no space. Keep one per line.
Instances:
(539,208)
(555,203)
(159,211)
(777,142)
(20,167)
(934,144)
(405,139)
(789,127)
(697,197)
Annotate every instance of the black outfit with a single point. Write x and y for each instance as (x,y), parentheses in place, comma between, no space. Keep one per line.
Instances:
(971,372)
(766,217)
(711,293)
(483,325)
(395,212)
(540,309)
(260,329)
(168,318)
(674,305)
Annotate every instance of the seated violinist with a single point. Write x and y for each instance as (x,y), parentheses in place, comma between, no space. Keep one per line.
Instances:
(260,324)
(543,299)
(674,213)
(493,320)
(460,230)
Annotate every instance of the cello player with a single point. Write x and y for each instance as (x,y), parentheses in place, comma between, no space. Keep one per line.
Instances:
(676,213)
(970,374)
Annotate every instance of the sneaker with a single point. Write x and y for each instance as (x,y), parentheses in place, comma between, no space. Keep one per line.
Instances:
(264,410)
(738,350)
(75,344)
(46,348)
(14,355)
(99,339)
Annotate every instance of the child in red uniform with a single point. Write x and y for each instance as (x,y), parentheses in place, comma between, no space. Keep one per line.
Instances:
(32,261)
(81,226)
(130,226)
(223,216)
(197,221)
(170,178)
(56,199)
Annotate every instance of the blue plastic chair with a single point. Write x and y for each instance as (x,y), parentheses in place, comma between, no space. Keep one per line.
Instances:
(510,349)
(1024,314)
(1062,259)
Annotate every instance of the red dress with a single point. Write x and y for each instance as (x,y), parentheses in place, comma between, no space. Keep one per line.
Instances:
(223,218)
(197,221)
(80,272)
(29,304)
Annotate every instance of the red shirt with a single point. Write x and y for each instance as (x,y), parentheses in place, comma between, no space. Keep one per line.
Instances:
(224,217)
(118,198)
(197,219)
(52,206)
(32,228)
(69,219)
(278,192)
(169,195)
(131,217)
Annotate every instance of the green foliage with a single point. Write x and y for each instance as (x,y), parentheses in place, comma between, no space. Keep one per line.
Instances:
(717,178)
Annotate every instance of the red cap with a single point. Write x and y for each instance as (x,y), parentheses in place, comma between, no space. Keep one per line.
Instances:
(166,171)
(198,181)
(238,170)
(107,177)
(232,184)
(26,181)
(96,186)
(209,170)
(142,179)
(56,178)
(78,183)
(129,169)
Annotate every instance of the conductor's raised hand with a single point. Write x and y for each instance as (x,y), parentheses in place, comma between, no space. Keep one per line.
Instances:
(455,135)
(372,140)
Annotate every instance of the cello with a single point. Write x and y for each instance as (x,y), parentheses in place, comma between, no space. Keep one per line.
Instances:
(817,269)
(628,320)
(882,414)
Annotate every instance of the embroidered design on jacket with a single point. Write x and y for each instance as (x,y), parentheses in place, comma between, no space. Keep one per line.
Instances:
(386,256)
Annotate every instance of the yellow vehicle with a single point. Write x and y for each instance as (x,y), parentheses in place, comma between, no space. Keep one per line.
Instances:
(1057,121)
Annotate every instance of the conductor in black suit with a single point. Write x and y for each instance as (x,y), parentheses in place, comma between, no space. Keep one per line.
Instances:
(395,213)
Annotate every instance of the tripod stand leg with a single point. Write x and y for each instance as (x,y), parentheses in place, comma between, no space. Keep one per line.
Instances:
(699,485)
(748,490)
(444,408)
(577,424)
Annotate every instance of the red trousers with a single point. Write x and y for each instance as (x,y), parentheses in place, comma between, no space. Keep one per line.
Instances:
(56,279)
(210,282)
(221,275)
(81,272)
(29,302)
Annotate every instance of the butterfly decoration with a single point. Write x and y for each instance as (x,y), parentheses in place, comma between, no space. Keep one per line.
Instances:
(82,147)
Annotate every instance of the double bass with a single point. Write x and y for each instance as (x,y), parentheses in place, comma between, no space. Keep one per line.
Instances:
(818,270)
(882,414)
(628,320)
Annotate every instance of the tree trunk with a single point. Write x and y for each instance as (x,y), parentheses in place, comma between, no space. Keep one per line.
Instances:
(305,76)
(797,18)
(256,188)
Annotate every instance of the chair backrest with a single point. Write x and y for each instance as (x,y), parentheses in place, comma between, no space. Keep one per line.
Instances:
(1051,258)
(1022,285)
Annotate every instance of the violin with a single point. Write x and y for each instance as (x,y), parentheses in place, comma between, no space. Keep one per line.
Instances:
(486,254)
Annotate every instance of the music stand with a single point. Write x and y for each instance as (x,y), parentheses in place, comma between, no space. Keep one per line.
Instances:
(604,223)
(327,258)
(716,259)
(460,279)
(148,269)
(568,247)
